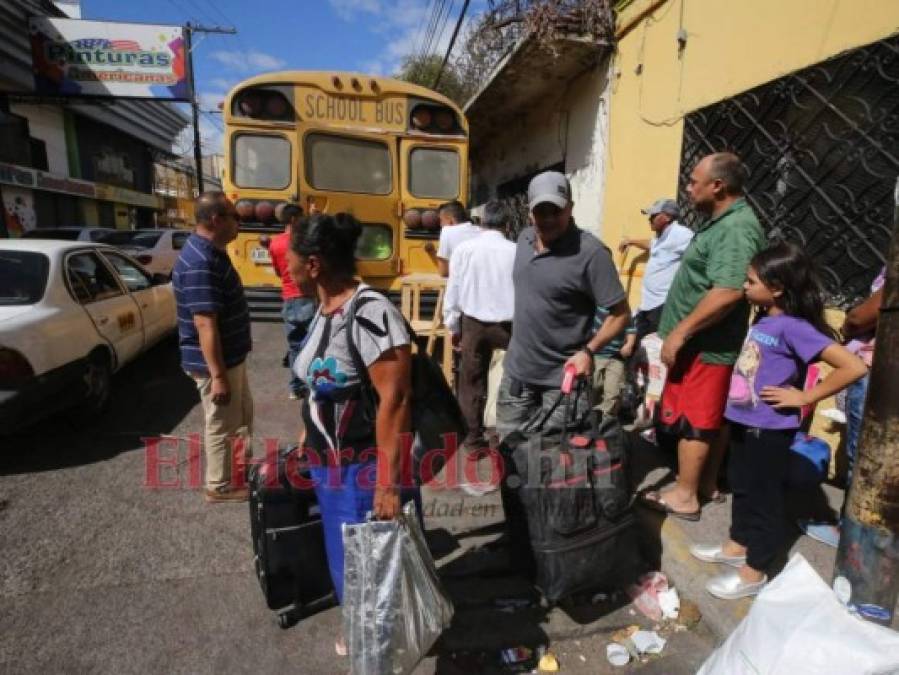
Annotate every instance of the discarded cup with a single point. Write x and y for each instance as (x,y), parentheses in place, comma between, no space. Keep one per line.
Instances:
(617,655)
(648,642)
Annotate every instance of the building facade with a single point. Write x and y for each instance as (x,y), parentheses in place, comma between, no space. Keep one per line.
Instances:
(805,91)
(542,109)
(66,163)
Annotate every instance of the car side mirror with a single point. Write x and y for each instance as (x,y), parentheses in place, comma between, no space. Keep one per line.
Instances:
(160,279)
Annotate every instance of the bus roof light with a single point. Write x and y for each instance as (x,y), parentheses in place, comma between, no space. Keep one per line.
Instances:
(336,82)
(444,120)
(357,85)
(374,86)
(421,117)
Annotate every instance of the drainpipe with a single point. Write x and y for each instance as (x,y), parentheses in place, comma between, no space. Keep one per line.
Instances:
(866,573)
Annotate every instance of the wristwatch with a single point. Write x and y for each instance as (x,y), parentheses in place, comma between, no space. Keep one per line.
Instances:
(590,352)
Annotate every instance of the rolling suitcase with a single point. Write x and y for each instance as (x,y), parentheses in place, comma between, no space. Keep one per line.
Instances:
(568,507)
(288,540)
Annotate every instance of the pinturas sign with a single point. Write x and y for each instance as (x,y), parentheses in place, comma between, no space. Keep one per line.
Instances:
(98,58)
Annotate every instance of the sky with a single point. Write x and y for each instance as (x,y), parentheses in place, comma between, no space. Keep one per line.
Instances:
(370,36)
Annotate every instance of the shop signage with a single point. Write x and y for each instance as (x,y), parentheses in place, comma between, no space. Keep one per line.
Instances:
(79,58)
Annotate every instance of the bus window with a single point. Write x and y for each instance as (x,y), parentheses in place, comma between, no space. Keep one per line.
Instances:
(348,164)
(375,243)
(261,162)
(434,172)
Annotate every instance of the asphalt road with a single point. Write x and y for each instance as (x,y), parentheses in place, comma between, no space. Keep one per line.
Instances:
(101,573)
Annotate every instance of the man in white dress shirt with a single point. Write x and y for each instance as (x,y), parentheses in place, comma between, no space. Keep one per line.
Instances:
(479,303)
(665,252)
(454,229)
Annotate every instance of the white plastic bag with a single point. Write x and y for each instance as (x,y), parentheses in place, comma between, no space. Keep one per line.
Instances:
(796,626)
(394,607)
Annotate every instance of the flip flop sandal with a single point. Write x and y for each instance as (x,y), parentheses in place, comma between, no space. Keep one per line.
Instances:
(658,504)
(719,498)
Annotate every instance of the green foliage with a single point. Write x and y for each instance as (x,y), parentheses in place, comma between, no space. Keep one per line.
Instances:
(423,70)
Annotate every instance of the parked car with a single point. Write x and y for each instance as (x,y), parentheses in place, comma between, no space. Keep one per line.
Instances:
(157,250)
(71,314)
(105,235)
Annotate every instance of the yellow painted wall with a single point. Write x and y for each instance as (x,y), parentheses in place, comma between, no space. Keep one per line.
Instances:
(732,46)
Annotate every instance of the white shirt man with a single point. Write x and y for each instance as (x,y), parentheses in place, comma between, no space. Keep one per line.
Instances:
(478,306)
(454,229)
(665,252)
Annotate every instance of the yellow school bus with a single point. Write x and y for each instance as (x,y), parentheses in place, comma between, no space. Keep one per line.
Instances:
(388,151)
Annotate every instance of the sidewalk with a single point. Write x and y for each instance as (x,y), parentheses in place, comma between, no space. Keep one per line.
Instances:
(669,539)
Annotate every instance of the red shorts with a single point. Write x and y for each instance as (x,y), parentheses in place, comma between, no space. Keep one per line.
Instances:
(694,398)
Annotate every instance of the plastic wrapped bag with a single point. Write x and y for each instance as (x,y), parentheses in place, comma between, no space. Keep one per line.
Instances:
(394,607)
(797,626)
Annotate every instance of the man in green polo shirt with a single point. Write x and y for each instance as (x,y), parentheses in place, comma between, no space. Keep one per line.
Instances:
(703,326)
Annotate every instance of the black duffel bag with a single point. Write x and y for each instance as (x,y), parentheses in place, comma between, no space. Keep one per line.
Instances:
(570,488)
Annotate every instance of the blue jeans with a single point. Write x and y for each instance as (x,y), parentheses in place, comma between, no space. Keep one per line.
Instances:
(346,495)
(855,408)
(297,314)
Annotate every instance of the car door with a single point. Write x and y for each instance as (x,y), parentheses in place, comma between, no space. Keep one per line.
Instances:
(112,310)
(156,302)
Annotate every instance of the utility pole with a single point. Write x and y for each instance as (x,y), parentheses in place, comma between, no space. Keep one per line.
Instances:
(189,30)
(866,573)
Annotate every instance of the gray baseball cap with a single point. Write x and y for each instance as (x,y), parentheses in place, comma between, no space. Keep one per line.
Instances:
(663,205)
(549,186)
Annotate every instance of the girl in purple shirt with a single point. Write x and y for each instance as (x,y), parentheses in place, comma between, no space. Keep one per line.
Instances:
(764,405)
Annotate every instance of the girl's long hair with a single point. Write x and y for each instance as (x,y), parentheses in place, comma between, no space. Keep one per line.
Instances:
(786,267)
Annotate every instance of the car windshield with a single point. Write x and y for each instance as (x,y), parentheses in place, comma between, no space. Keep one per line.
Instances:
(23,277)
(50,233)
(114,237)
(144,239)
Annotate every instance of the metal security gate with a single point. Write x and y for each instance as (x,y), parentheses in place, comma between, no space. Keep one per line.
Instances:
(822,149)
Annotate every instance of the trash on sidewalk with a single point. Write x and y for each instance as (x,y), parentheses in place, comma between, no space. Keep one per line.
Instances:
(689,614)
(645,594)
(617,654)
(624,633)
(834,415)
(548,663)
(669,602)
(518,659)
(648,642)
(797,625)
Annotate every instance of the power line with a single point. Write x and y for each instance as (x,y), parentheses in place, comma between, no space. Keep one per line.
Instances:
(452,42)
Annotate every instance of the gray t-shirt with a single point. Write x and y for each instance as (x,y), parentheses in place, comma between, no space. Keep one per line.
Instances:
(326,365)
(556,295)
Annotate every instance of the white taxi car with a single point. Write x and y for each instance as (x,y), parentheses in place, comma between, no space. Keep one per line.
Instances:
(71,314)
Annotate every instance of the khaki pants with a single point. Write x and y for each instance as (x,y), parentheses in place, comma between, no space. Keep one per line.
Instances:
(608,380)
(224,423)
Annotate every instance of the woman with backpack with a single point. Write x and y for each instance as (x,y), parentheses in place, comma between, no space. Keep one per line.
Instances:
(356,452)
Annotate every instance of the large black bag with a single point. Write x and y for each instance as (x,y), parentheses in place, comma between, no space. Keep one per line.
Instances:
(288,539)
(437,419)
(567,504)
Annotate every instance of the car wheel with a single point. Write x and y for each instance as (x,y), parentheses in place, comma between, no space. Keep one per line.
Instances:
(98,382)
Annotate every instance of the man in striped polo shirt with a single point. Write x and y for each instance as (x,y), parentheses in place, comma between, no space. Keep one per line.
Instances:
(214,335)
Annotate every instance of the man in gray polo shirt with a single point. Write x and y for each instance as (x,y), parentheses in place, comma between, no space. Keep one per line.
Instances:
(561,275)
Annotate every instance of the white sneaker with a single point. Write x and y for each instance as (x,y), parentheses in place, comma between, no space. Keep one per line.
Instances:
(729,586)
(711,553)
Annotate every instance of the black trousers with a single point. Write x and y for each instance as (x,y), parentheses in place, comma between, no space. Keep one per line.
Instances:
(756,473)
(647,322)
(479,339)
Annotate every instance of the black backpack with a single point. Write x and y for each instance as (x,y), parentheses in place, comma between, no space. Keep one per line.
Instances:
(437,419)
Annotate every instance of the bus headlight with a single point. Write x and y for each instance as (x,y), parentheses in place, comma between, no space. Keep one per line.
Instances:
(265,212)
(430,220)
(245,209)
(412,218)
